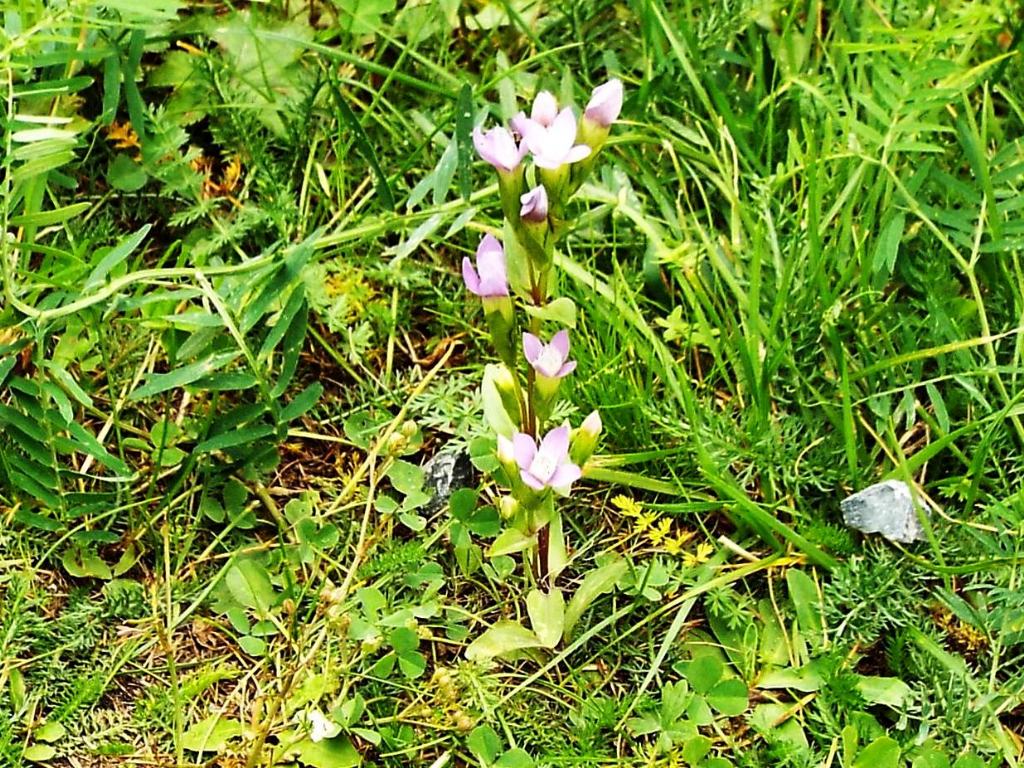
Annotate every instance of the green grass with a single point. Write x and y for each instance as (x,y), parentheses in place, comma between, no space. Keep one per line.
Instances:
(798,272)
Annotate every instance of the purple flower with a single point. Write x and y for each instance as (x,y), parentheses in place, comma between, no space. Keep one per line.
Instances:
(547,465)
(554,145)
(489,279)
(549,360)
(534,204)
(605,103)
(498,147)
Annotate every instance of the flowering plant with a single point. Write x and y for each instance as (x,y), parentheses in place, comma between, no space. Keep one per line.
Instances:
(540,160)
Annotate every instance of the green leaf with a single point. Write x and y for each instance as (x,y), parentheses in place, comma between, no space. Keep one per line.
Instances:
(49,732)
(704,672)
(296,302)
(254,646)
(463,138)
(496,412)
(547,615)
(939,406)
(462,504)
(804,595)
(403,639)
(888,244)
(83,563)
(115,256)
(302,402)
(805,679)
(363,17)
(39,753)
(482,454)
(405,477)
(327,753)
(595,584)
(485,522)
(729,697)
(235,437)
(561,311)
(211,734)
(510,540)
(250,586)
(695,749)
(48,218)
(890,691)
(126,175)
(67,381)
(502,638)
(161,382)
(412,664)
(931,758)
(515,758)
(360,139)
(361,428)
(484,743)
(883,752)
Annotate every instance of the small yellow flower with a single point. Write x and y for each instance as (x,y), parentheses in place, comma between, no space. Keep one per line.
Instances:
(674,544)
(644,521)
(123,135)
(701,555)
(627,506)
(659,531)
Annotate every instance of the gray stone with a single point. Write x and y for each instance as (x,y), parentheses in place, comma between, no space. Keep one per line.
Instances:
(445,473)
(886,508)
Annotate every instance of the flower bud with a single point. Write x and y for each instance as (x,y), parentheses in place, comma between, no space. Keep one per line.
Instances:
(585,437)
(501,401)
(534,205)
(508,506)
(605,103)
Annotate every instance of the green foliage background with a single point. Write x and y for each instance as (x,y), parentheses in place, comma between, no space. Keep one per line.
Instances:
(232,331)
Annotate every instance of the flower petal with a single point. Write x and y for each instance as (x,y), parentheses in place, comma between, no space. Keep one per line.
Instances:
(534,135)
(524,448)
(545,108)
(566,474)
(556,443)
(480,142)
(592,423)
(506,449)
(518,123)
(562,133)
(577,153)
(470,277)
(566,369)
(534,204)
(532,347)
(490,264)
(531,481)
(560,341)
(498,147)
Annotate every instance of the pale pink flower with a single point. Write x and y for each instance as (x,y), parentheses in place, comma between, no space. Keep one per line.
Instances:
(547,465)
(554,145)
(549,360)
(534,204)
(605,103)
(498,147)
(489,279)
